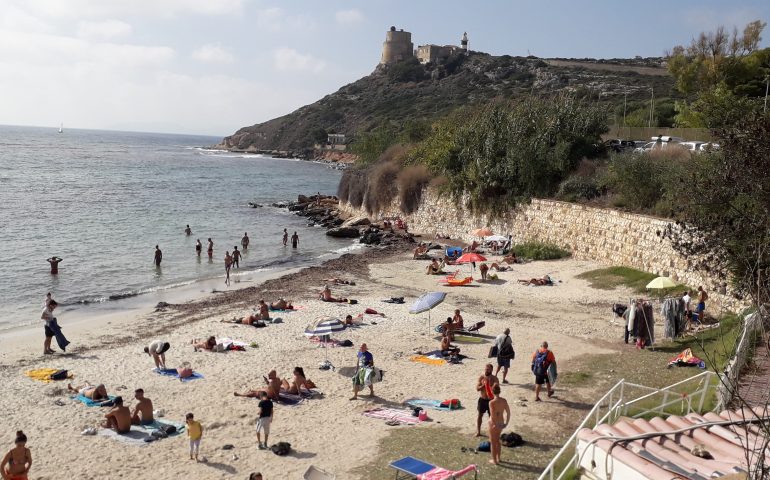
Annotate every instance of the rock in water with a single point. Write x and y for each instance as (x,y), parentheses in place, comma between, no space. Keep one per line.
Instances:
(343,232)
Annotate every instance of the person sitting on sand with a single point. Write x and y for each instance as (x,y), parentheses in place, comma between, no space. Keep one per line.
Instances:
(157,350)
(87,390)
(119,418)
(142,414)
(498,267)
(421,252)
(264,311)
(546,280)
(17,462)
(281,304)
(326,296)
(447,348)
(339,281)
(448,327)
(435,268)
(483,269)
(511,259)
(208,345)
(457,321)
(299,381)
(273,387)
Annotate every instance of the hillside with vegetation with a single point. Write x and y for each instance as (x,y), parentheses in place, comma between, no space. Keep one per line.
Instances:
(409,96)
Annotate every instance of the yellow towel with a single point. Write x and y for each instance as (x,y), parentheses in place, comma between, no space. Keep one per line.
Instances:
(41,374)
(428,360)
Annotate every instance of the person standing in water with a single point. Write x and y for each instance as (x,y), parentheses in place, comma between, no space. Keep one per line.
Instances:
(285,237)
(17,462)
(236,257)
(158,256)
(198,247)
(228,264)
(54,261)
(245,241)
(294,240)
(188,231)
(210,248)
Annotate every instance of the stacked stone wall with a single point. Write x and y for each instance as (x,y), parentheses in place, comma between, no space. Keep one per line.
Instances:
(607,236)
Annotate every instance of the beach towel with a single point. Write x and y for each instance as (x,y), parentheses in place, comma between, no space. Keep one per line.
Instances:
(439,473)
(287,310)
(427,360)
(139,434)
(292,400)
(44,374)
(225,343)
(686,359)
(171,372)
(459,338)
(428,403)
(92,403)
(393,414)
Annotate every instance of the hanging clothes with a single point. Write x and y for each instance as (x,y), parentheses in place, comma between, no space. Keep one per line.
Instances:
(649,319)
(632,318)
(670,313)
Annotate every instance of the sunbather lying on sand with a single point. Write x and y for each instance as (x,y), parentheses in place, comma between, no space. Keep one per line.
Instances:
(326,296)
(250,319)
(498,267)
(339,281)
(299,381)
(546,280)
(208,345)
(511,259)
(435,268)
(272,389)
(98,392)
(281,304)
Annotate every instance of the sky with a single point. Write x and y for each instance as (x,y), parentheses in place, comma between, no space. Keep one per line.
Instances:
(212,66)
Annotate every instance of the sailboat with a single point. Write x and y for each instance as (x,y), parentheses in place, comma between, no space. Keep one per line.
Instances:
(61,127)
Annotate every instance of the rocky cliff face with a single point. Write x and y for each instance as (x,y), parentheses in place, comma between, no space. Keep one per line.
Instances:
(405,91)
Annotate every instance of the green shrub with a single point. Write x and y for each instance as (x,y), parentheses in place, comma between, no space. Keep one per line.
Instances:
(407,71)
(578,188)
(539,251)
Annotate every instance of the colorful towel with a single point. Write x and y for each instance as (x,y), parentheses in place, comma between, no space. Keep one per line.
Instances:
(393,414)
(43,374)
(289,399)
(427,360)
(91,403)
(139,433)
(427,403)
(687,359)
(171,372)
(461,338)
(439,473)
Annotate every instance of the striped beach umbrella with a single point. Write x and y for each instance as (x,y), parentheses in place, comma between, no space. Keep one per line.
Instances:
(323,328)
(426,302)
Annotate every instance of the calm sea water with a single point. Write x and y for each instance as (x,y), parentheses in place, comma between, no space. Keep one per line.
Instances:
(103,200)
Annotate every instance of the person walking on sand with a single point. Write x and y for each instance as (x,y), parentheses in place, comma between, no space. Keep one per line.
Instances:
(228,264)
(54,261)
(236,257)
(17,462)
(142,414)
(188,231)
(701,307)
(364,362)
(285,237)
(541,360)
(210,248)
(157,350)
(158,256)
(484,386)
(52,329)
(505,353)
(499,417)
(294,240)
(198,247)
(195,433)
(265,419)
(245,241)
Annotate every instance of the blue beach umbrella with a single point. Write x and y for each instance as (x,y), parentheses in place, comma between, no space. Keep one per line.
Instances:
(323,328)
(426,302)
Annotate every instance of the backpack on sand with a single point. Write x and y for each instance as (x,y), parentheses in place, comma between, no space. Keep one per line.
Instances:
(281,449)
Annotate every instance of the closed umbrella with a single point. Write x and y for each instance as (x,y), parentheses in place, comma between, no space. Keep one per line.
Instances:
(426,302)
(661,282)
(323,328)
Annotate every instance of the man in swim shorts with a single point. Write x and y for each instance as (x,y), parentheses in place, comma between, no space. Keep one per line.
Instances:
(236,257)
(87,390)
(142,414)
(158,256)
(484,386)
(119,418)
(210,248)
(245,241)
(198,247)
(54,261)
(285,237)
(157,350)
(294,240)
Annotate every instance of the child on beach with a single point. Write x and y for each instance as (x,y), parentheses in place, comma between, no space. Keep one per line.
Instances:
(195,432)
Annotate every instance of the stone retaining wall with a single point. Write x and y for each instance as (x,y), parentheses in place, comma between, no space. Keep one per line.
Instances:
(607,236)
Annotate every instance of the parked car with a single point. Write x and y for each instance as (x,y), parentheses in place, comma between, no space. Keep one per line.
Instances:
(692,146)
(618,145)
(709,146)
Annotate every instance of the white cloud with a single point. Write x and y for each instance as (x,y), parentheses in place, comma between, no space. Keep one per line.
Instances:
(118,8)
(287,59)
(275,19)
(213,53)
(103,30)
(349,17)
(17,19)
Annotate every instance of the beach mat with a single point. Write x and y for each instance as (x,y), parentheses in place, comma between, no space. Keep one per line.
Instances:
(291,400)
(138,433)
(43,374)
(296,307)
(392,414)
(91,403)
(428,403)
(459,338)
(171,372)
(427,360)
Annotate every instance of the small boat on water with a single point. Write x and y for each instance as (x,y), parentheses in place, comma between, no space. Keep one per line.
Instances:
(61,127)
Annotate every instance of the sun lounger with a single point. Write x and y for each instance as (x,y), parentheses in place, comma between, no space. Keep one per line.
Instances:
(472,330)
(451,276)
(458,282)
(412,467)
(313,473)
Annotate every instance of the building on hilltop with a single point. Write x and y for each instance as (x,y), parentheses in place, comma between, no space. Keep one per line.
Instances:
(397,47)
(436,53)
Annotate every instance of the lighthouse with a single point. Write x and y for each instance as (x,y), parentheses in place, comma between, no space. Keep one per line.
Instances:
(464,42)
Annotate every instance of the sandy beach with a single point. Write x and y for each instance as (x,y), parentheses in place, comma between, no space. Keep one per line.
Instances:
(329,432)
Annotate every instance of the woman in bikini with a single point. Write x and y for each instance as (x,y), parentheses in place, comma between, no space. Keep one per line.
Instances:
(299,381)
(499,417)
(208,345)
(17,462)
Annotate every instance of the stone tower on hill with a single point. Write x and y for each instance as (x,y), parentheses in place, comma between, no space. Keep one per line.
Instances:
(398,46)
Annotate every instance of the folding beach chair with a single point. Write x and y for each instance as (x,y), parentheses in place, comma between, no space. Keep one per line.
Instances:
(313,473)
(412,467)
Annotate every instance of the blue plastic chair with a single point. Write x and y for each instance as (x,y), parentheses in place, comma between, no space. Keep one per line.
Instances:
(411,467)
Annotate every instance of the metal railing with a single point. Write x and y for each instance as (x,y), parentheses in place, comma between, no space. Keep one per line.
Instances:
(639,400)
(753,328)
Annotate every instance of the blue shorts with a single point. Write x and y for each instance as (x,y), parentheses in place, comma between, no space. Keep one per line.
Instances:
(504,362)
(701,307)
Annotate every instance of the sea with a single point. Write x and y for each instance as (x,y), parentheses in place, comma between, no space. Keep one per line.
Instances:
(102,201)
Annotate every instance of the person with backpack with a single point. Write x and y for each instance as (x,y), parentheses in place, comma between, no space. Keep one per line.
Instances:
(505,353)
(541,360)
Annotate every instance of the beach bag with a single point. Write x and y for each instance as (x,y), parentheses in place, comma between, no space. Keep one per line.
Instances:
(59,375)
(281,449)
(484,447)
(451,404)
(492,351)
(538,366)
(511,440)
(507,352)
(167,429)
(158,434)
